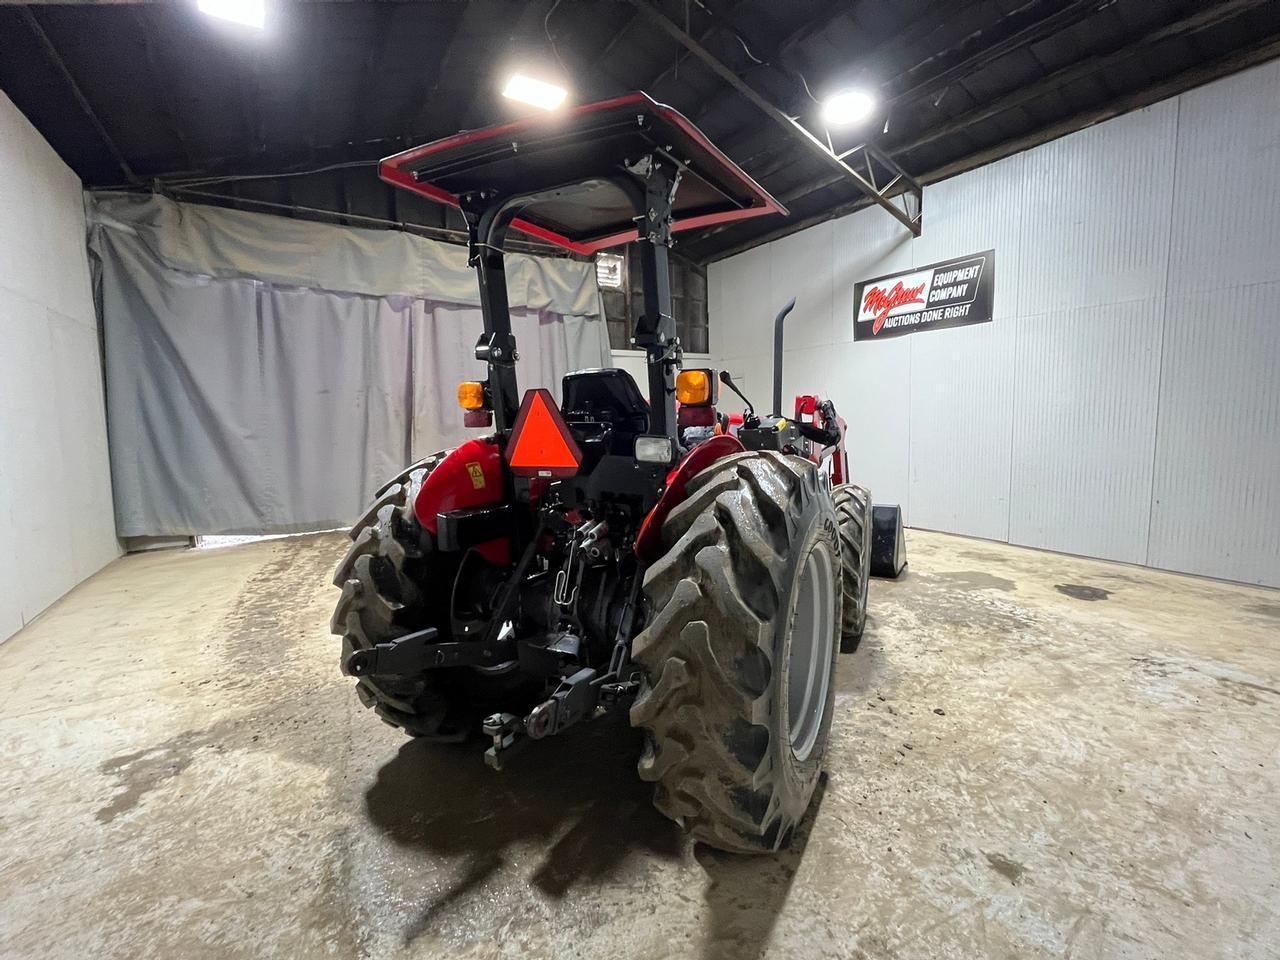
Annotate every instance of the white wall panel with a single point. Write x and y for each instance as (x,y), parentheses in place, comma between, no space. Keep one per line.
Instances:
(806,370)
(744,322)
(31,458)
(961,408)
(982,210)
(41,217)
(753,375)
(743,339)
(88,529)
(1043,429)
(865,244)
(871,388)
(56,517)
(1226,210)
(1084,426)
(800,267)
(1095,220)
(634,364)
(1216,507)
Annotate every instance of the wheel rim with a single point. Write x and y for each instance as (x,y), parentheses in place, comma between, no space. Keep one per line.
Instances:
(809,662)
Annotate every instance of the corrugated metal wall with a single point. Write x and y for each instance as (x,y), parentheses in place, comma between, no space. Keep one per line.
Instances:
(1125,402)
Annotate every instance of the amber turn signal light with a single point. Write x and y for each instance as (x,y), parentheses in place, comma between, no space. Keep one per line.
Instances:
(471,395)
(696,388)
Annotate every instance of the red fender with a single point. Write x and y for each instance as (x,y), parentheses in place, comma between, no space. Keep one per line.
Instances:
(470,476)
(649,540)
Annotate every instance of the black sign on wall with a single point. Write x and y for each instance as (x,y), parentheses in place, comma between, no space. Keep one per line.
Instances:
(952,293)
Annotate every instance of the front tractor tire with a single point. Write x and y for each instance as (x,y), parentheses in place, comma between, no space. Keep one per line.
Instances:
(740,649)
(393,583)
(853,513)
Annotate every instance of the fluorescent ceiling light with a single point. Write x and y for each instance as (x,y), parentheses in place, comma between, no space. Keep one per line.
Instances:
(534,92)
(251,13)
(852,106)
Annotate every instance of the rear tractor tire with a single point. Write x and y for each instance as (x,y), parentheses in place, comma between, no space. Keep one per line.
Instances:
(393,583)
(740,650)
(853,513)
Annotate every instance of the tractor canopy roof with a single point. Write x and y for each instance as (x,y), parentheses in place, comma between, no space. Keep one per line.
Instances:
(569,162)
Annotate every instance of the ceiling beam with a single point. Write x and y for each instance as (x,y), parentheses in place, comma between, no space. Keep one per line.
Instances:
(164,91)
(1197,21)
(385,19)
(682,55)
(776,160)
(719,22)
(924,24)
(420,106)
(909,219)
(52,53)
(1265,49)
(1032,33)
(618,36)
(1202,19)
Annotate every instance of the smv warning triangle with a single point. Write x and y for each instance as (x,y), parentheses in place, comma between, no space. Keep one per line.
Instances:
(541,445)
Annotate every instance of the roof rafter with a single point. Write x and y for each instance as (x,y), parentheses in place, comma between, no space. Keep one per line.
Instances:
(52,53)
(1202,19)
(908,215)
(1266,48)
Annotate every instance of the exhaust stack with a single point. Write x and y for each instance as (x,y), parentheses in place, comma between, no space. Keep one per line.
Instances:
(777,355)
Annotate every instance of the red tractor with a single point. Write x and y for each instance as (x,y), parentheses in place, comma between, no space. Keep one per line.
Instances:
(597,552)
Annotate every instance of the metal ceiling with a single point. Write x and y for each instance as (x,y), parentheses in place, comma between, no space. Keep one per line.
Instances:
(159,96)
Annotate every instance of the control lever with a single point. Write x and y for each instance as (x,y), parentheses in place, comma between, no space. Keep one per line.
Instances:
(750,420)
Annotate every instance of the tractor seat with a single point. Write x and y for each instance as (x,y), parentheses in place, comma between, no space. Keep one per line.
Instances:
(605,406)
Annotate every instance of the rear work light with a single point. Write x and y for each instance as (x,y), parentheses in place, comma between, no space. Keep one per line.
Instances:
(696,388)
(655,449)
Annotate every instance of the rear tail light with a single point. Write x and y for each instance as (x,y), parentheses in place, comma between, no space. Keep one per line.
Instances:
(689,416)
(471,395)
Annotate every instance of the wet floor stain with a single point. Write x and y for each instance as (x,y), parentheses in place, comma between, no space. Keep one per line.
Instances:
(1244,690)
(1268,610)
(975,580)
(984,556)
(1155,666)
(1125,578)
(1011,870)
(142,771)
(1081,592)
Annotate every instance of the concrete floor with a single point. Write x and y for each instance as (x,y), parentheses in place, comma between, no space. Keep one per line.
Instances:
(1033,755)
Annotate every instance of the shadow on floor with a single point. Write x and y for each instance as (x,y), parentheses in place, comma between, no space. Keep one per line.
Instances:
(578,794)
(746,894)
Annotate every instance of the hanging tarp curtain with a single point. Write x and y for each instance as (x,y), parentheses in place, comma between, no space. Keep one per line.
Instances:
(266,375)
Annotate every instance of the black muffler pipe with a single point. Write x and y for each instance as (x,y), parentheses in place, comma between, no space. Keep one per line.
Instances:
(777,355)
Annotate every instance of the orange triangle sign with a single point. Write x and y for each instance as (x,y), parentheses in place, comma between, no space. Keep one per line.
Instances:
(541,445)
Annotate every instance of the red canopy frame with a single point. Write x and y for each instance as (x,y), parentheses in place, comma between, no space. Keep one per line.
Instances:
(581,150)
